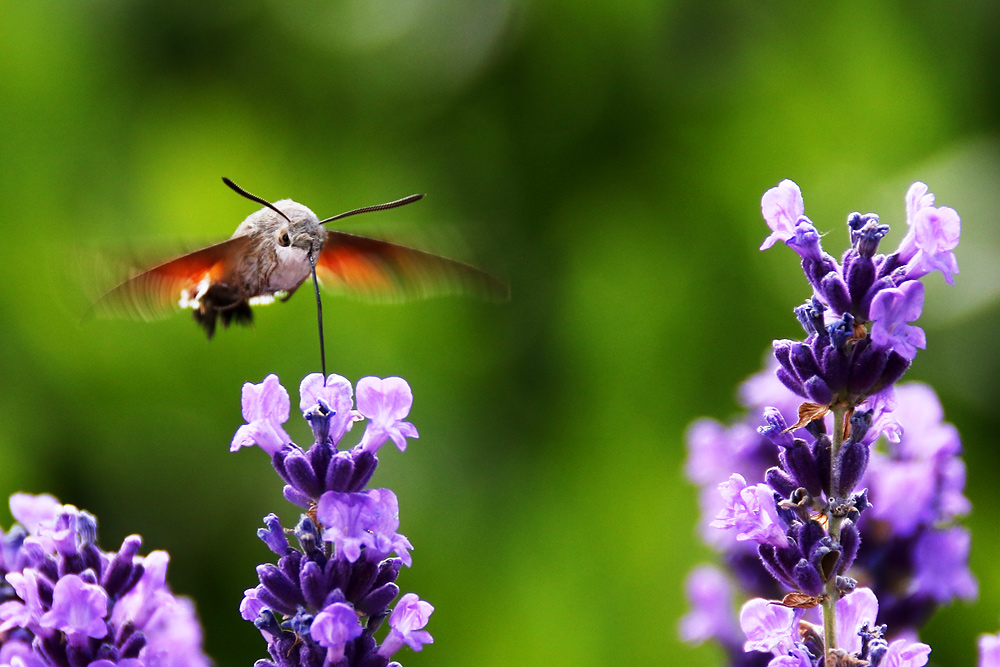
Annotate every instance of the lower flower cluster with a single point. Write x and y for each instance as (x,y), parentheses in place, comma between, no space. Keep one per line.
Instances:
(66,603)
(324,600)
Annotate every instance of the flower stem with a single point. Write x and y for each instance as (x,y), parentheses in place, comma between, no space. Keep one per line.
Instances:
(834,520)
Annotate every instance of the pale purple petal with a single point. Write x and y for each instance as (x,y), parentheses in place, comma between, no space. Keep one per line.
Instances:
(336,393)
(407,620)
(891,309)
(781,207)
(904,653)
(854,611)
(383,530)
(348,519)
(386,403)
(14,614)
(989,650)
(29,510)
(797,657)
(333,627)
(751,511)
(19,654)
(251,606)
(917,199)
(78,609)
(767,626)
(942,566)
(265,407)
(710,595)
(937,232)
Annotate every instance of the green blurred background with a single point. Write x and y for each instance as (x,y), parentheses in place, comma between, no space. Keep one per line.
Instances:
(607,158)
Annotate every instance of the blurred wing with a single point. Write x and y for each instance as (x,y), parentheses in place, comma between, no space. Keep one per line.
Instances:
(382,271)
(157,291)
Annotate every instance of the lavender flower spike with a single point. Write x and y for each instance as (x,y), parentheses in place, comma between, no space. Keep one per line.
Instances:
(324,600)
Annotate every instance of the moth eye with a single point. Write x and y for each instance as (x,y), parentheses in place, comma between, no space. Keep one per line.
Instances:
(283,239)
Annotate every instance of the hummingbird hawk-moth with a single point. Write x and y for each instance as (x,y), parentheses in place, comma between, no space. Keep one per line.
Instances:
(270,255)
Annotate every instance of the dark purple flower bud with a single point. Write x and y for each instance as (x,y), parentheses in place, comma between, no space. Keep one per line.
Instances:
(364,466)
(810,535)
(378,600)
(802,361)
(301,474)
(340,472)
(807,579)
(790,381)
(850,542)
(273,535)
(860,277)
(783,352)
(817,391)
(780,481)
(313,585)
(319,459)
(866,368)
(895,366)
(388,570)
(278,584)
(835,292)
(800,463)
(133,645)
(853,462)
(118,572)
(775,428)
(86,526)
(821,452)
(836,367)
(772,561)
(816,268)
(296,497)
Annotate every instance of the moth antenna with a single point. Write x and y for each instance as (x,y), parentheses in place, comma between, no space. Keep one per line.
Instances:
(377,207)
(252,197)
(319,317)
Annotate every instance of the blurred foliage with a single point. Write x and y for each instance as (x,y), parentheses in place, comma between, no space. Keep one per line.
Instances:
(606,157)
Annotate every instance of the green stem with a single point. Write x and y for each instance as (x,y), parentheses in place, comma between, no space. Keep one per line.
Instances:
(829,604)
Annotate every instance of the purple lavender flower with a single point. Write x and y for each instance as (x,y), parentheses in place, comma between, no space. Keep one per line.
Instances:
(751,511)
(711,614)
(792,488)
(890,311)
(265,407)
(69,603)
(989,650)
(324,600)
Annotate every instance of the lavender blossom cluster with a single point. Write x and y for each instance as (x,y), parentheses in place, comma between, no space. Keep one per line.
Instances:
(66,603)
(321,604)
(838,494)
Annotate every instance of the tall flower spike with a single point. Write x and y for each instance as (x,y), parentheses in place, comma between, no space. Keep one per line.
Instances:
(324,600)
(813,527)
